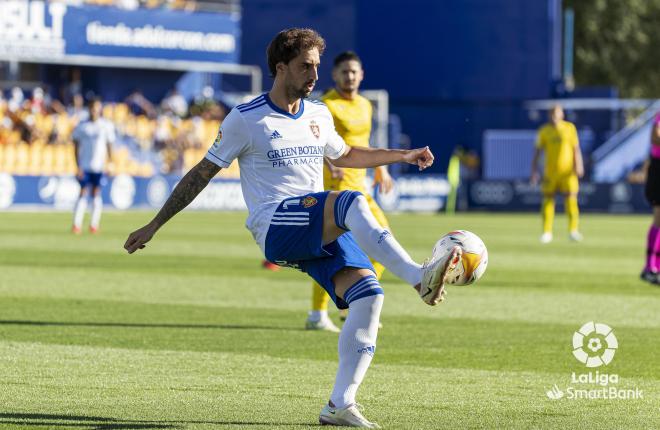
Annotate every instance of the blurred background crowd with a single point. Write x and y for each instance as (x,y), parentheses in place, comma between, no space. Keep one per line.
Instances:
(166,138)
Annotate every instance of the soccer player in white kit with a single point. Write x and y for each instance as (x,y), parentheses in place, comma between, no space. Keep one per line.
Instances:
(93,139)
(280,139)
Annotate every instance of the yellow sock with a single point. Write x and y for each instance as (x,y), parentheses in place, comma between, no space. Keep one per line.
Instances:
(548,212)
(320,298)
(379,269)
(573,212)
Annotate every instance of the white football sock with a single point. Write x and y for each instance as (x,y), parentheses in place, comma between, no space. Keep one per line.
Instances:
(317,315)
(379,243)
(357,345)
(79,211)
(97,208)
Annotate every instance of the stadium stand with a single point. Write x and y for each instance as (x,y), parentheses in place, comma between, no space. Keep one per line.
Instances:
(187,5)
(35,135)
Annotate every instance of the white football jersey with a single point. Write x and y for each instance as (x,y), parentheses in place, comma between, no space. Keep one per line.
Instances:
(279,154)
(93,138)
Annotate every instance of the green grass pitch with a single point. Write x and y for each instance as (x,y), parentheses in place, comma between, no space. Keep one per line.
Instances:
(191,333)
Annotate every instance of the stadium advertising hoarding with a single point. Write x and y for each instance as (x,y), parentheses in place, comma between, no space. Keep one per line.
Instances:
(412,193)
(415,193)
(52,31)
(521,196)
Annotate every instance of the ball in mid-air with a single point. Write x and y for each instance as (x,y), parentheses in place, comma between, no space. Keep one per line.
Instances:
(474,258)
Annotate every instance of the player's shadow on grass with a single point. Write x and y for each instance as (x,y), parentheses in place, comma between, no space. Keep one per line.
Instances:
(147,325)
(106,423)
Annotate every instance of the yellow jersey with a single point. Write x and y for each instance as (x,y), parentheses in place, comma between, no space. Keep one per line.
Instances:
(353,123)
(558,143)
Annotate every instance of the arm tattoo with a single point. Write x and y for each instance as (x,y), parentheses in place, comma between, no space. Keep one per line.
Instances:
(185,192)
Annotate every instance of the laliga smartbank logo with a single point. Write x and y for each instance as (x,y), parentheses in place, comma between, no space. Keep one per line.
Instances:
(594,345)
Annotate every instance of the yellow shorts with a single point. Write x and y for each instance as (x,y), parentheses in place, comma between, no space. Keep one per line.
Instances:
(565,184)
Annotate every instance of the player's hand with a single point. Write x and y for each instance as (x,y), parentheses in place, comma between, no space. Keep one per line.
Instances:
(335,172)
(383,179)
(579,171)
(139,238)
(80,174)
(422,157)
(534,178)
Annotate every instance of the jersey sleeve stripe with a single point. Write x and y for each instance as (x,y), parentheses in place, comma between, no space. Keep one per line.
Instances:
(251,102)
(222,163)
(251,107)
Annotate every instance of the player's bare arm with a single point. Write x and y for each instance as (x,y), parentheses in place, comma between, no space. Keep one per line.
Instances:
(361,158)
(534,177)
(383,179)
(185,192)
(579,164)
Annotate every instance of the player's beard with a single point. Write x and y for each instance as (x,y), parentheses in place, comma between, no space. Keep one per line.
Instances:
(300,93)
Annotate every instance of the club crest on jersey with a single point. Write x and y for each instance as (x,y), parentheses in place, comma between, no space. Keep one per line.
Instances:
(309,201)
(316,131)
(216,142)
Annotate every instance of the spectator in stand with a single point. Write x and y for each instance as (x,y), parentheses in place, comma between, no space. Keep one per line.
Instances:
(73,88)
(175,103)
(16,100)
(139,105)
(38,101)
(77,109)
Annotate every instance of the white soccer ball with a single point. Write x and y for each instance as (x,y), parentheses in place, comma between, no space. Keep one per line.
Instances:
(475,255)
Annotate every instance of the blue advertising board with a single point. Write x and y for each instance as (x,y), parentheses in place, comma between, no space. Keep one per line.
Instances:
(521,196)
(411,193)
(417,193)
(119,192)
(33,30)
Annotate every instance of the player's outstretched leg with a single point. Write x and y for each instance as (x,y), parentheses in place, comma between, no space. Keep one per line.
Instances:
(357,346)
(351,212)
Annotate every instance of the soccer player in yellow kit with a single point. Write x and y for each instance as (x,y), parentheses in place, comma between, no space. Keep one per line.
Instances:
(352,115)
(563,166)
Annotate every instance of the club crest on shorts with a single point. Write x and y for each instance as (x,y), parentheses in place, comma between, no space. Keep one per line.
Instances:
(316,131)
(309,201)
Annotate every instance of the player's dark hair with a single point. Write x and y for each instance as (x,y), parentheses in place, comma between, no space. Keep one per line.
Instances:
(93,99)
(289,43)
(346,56)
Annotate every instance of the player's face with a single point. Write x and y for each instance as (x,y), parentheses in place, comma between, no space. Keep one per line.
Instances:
(348,76)
(556,115)
(95,110)
(301,74)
